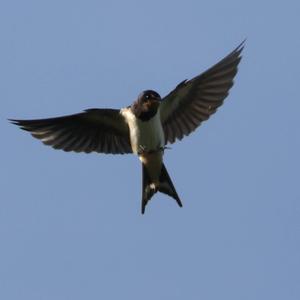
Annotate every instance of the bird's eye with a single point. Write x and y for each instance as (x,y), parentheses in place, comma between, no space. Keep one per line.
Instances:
(147,96)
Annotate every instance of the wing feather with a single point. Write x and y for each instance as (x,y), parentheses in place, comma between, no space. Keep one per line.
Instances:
(194,101)
(100,130)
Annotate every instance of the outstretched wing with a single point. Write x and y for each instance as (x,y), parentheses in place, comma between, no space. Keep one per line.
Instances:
(99,130)
(195,100)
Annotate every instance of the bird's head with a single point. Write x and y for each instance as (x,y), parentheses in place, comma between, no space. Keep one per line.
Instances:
(146,105)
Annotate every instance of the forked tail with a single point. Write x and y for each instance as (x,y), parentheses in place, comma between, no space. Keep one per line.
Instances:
(165,186)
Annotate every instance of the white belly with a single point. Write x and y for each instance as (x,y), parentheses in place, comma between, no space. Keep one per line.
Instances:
(145,135)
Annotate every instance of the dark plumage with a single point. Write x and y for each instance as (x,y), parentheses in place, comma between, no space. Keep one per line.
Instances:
(145,107)
(145,127)
(194,101)
(99,130)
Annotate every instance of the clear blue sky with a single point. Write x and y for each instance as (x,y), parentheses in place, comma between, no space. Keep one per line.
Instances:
(67,232)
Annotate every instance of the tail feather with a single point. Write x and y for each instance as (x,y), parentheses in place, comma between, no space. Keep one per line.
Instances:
(147,191)
(165,186)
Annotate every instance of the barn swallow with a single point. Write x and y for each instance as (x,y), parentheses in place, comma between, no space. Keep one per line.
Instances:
(145,127)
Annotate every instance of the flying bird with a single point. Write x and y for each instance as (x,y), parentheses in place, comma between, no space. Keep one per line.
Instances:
(146,126)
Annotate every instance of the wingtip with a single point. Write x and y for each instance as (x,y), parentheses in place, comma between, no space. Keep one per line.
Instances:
(20,123)
(13,121)
(240,47)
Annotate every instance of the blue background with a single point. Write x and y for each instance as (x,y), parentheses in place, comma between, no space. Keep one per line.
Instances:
(70,224)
